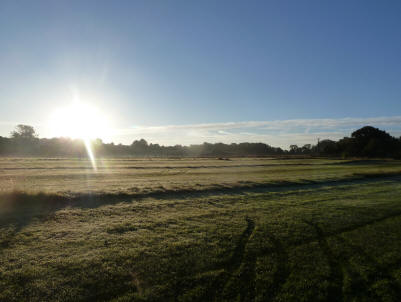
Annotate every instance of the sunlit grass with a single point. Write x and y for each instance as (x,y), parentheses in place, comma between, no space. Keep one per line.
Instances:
(338,240)
(143,175)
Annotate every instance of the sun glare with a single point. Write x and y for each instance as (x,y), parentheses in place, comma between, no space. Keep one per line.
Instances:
(79,121)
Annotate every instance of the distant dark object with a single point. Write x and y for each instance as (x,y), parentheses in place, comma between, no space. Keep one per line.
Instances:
(222,158)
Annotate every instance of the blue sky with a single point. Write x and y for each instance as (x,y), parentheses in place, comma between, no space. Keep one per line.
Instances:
(193,71)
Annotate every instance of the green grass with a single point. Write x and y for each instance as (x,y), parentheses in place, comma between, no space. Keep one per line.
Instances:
(254,230)
(130,176)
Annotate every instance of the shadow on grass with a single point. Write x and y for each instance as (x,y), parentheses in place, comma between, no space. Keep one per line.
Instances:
(365,162)
(18,209)
(360,288)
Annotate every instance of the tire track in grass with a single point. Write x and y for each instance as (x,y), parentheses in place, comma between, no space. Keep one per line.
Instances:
(282,272)
(280,275)
(234,274)
(359,287)
(233,265)
(338,266)
(346,229)
(241,271)
(380,272)
(247,277)
(336,278)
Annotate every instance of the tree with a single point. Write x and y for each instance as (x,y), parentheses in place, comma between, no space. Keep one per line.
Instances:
(373,142)
(328,147)
(139,147)
(294,149)
(24,132)
(306,148)
(24,140)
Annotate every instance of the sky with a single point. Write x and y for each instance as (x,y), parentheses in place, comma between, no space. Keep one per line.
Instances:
(183,72)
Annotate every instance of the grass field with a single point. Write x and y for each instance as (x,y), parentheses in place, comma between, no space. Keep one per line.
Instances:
(200,230)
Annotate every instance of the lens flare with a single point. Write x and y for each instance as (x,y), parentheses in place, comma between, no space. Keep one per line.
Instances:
(90,154)
(80,121)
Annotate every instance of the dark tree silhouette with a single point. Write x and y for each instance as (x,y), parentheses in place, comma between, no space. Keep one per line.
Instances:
(365,142)
(373,142)
(327,147)
(24,132)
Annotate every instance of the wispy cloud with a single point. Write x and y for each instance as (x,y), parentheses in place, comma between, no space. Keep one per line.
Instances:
(276,133)
(280,124)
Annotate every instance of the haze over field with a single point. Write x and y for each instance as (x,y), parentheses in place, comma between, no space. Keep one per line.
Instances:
(184,72)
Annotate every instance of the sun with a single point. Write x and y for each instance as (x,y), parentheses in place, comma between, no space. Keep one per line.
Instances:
(79,121)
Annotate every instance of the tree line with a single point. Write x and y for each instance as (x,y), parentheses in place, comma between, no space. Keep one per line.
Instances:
(366,142)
